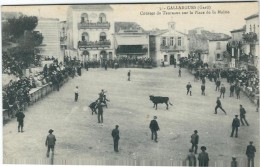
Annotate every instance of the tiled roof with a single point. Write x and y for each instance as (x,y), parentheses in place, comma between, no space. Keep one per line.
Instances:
(211,36)
(252,16)
(127,26)
(200,41)
(157,32)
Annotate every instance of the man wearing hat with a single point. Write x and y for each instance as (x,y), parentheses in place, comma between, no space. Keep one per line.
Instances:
(235,125)
(194,141)
(154,128)
(50,142)
(243,115)
(99,107)
(191,158)
(250,152)
(222,91)
(115,135)
(203,157)
(233,162)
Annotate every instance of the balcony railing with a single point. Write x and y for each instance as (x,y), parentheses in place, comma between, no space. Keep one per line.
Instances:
(172,48)
(96,44)
(98,25)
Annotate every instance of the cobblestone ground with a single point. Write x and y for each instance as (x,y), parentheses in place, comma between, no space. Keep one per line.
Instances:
(81,140)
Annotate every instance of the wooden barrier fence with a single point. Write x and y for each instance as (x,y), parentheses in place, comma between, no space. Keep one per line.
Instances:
(35,95)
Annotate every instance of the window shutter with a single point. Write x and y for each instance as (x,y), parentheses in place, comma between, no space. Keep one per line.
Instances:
(167,41)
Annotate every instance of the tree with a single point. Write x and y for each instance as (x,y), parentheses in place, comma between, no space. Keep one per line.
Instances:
(32,38)
(17,26)
(227,56)
(20,31)
(250,37)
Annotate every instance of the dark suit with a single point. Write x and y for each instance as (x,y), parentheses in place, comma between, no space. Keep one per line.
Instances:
(219,106)
(20,116)
(203,159)
(194,141)
(238,92)
(243,116)
(235,125)
(129,74)
(222,91)
(250,152)
(50,143)
(232,89)
(191,158)
(115,135)
(154,128)
(188,86)
(100,112)
(203,90)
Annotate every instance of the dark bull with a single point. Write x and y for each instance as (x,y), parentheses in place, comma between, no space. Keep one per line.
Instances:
(159,99)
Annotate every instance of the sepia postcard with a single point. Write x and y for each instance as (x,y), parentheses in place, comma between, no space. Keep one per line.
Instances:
(131,84)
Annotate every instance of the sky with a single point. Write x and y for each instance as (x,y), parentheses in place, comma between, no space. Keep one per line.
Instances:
(232,19)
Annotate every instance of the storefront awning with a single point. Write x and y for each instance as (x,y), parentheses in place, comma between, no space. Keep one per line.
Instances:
(131,40)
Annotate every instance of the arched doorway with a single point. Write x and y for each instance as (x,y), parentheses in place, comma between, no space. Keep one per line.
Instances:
(103,54)
(85,55)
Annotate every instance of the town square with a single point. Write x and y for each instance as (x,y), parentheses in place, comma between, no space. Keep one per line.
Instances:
(106,91)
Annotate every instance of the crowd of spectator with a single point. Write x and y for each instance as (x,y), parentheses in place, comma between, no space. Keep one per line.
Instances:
(241,77)
(121,62)
(141,62)
(16,93)
(10,65)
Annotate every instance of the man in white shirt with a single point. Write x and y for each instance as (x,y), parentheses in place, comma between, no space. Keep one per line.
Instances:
(76,93)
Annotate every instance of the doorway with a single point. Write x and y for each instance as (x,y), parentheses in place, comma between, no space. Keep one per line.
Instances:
(172,59)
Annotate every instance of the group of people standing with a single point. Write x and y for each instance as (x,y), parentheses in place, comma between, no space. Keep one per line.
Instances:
(234,88)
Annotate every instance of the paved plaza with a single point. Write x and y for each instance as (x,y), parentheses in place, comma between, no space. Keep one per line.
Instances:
(81,140)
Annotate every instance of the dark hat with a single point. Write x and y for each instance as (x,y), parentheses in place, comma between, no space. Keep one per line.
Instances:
(236,115)
(50,131)
(117,126)
(203,148)
(251,142)
(195,131)
(234,158)
(155,117)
